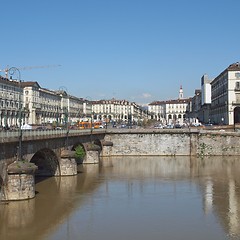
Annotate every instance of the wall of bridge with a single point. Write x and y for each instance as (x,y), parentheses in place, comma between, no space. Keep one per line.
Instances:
(174,142)
(128,142)
(43,150)
(53,154)
(132,142)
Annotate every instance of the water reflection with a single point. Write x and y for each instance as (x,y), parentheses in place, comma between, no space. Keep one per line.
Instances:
(133,197)
(55,200)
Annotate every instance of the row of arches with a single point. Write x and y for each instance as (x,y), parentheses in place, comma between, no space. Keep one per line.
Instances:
(48,161)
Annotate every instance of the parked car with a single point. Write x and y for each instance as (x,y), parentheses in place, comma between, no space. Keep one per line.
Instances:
(196,124)
(41,128)
(158,126)
(169,126)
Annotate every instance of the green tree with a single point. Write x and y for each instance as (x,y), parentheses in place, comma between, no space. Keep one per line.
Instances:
(80,152)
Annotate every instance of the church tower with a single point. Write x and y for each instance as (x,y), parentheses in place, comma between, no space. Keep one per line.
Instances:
(180,93)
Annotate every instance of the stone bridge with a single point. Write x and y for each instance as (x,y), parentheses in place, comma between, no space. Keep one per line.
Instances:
(39,146)
(52,153)
(44,153)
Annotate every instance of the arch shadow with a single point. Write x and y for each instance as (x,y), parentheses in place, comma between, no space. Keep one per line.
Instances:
(98,143)
(47,162)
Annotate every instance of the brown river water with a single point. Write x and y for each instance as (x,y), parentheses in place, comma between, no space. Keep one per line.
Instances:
(128,198)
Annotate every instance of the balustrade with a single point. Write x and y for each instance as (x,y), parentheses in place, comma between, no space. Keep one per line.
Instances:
(33,133)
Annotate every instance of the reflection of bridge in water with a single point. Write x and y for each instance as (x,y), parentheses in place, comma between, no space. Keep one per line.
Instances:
(37,217)
(216,178)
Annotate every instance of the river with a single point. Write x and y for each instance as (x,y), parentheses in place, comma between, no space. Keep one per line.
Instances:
(126,198)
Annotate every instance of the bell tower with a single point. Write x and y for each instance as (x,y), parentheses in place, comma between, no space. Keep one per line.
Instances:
(180,93)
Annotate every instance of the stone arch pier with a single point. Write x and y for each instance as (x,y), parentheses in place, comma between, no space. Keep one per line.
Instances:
(47,162)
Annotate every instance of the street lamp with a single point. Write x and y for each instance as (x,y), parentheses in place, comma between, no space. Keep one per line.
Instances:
(12,71)
(129,116)
(65,109)
(91,113)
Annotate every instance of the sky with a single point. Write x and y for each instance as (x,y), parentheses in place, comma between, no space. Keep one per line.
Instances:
(137,50)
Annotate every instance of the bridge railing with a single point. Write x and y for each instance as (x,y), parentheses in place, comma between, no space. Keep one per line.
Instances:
(39,133)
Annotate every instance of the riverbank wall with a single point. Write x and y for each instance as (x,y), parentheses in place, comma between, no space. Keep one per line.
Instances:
(174,142)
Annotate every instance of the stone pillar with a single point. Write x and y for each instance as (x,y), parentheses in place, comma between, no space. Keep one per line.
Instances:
(20,183)
(67,163)
(92,153)
(193,139)
(106,148)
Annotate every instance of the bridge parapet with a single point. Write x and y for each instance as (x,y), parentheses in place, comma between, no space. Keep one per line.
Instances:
(13,136)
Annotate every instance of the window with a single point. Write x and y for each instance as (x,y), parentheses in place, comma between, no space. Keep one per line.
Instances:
(237,74)
(237,86)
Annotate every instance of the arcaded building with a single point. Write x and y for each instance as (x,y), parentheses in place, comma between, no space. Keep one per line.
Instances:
(225,99)
(170,111)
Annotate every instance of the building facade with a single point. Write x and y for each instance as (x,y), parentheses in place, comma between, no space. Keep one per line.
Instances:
(170,111)
(194,108)
(218,102)
(31,104)
(119,111)
(11,103)
(27,103)
(206,93)
(225,99)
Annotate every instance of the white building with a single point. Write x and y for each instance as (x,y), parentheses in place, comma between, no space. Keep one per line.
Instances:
(206,93)
(44,106)
(41,106)
(206,90)
(225,106)
(118,111)
(170,111)
(11,103)
(32,102)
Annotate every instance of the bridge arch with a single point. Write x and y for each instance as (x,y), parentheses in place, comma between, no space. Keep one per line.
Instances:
(79,160)
(98,143)
(47,162)
(85,145)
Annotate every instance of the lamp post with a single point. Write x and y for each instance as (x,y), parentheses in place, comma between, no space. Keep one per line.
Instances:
(65,109)
(88,100)
(67,120)
(12,71)
(130,116)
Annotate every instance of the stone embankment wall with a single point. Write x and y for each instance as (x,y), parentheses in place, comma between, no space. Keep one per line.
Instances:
(174,142)
(218,144)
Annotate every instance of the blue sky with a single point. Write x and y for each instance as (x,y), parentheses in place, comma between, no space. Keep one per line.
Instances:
(138,50)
